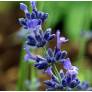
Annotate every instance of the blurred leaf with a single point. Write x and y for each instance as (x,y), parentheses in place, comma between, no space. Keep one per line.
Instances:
(23,72)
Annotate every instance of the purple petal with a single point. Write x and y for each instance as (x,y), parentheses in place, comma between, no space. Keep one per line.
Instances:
(58,39)
(50,83)
(51,37)
(63,39)
(50,52)
(33,4)
(26,57)
(29,55)
(64,54)
(84,85)
(48,71)
(72,71)
(47,34)
(22,21)
(40,59)
(74,68)
(61,73)
(33,23)
(41,65)
(23,7)
(27,49)
(67,64)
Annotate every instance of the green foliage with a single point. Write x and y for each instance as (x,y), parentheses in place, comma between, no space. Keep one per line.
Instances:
(78,16)
(23,73)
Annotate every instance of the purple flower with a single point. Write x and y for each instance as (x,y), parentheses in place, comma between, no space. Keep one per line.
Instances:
(73,70)
(60,40)
(34,19)
(55,56)
(47,35)
(33,23)
(23,7)
(70,78)
(28,54)
(40,39)
(41,65)
(64,82)
(50,83)
(30,24)
(66,63)
(84,86)
(26,57)
(68,82)
(74,83)
(49,71)
(51,57)
(39,59)
(61,73)
(33,4)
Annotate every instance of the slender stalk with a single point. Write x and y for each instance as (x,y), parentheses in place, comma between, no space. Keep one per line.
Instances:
(33,77)
(23,73)
(56,72)
(44,51)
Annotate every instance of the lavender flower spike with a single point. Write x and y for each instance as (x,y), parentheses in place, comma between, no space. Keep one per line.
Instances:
(60,40)
(37,38)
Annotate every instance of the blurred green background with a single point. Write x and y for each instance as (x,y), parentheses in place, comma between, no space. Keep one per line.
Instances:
(71,17)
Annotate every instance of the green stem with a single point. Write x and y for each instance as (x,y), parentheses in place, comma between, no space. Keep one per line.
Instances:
(56,72)
(32,76)
(23,73)
(44,51)
(82,48)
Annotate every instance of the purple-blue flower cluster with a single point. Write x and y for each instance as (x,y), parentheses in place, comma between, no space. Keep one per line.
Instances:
(69,80)
(63,80)
(40,39)
(32,22)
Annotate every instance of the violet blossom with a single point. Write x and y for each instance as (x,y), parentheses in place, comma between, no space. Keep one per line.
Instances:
(37,38)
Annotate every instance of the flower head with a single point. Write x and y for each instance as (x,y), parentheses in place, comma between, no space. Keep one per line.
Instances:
(40,39)
(68,82)
(34,19)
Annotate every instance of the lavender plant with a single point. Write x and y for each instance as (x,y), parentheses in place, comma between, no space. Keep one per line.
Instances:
(37,38)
